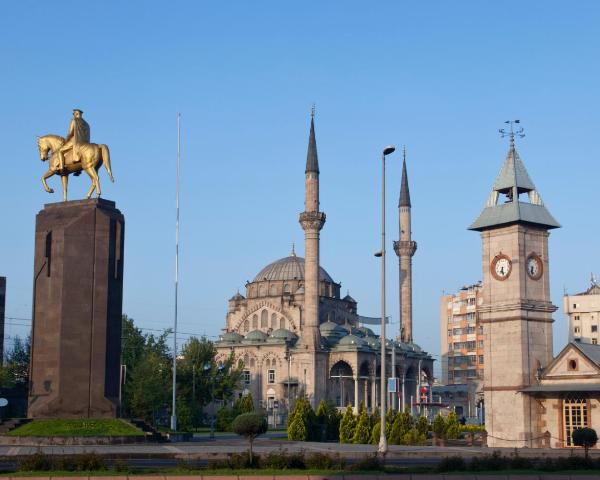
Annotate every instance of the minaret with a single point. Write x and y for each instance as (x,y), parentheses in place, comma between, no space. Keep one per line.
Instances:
(312,220)
(405,249)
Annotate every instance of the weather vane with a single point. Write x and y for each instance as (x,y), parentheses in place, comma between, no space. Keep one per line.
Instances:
(518,131)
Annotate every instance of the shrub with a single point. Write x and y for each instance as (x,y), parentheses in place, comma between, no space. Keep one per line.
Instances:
(320,461)
(375,434)
(413,437)
(225,417)
(185,418)
(495,461)
(452,430)
(422,426)
(362,432)
(250,426)
(245,404)
(347,425)
(39,461)
(277,460)
(439,426)
(585,437)
(451,464)
(297,430)
(369,463)
(403,422)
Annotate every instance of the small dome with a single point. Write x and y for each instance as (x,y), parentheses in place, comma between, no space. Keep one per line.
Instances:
(374,343)
(351,340)
(288,268)
(238,296)
(282,334)
(255,336)
(367,332)
(357,331)
(332,331)
(232,337)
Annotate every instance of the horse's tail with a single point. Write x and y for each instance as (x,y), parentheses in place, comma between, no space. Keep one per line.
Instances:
(106,161)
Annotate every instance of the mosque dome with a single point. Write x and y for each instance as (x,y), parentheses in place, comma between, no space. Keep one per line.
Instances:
(255,336)
(232,337)
(288,268)
(351,340)
(332,331)
(282,334)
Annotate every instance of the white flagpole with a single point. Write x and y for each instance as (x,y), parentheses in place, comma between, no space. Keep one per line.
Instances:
(174,407)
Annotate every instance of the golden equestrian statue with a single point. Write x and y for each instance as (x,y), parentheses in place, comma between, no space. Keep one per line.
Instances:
(74,155)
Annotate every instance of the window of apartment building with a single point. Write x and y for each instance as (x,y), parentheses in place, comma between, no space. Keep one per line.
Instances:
(450,375)
(247,377)
(594,328)
(450,332)
(575,317)
(575,305)
(471,345)
(456,331)
(576,330)
(480,329)
(470,330)
(271,376)
(480,343)
(480,359)
(472,359)
(472,373)
(594,341)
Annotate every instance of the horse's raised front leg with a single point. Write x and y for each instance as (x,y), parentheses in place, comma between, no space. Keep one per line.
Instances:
(46,175)
(65,183)
(92,173)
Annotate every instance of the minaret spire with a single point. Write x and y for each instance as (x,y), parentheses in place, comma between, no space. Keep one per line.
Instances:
(405,248)
(312,221)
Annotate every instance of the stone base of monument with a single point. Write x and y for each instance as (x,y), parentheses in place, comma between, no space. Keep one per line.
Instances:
(77,307)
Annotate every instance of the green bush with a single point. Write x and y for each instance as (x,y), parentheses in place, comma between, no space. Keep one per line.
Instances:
(452,430)
(321,461)
(451,464)
(277,460)
(250,426)
(302,422)
(375,434)
(297,430)
(439,426)
(347,425)
(225,417)
(585,437)
(413,437)
(368,463)
(185,421)
(403,423)
(362,432)
(38,461)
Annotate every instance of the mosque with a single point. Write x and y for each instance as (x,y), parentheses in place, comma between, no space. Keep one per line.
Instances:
(297,336)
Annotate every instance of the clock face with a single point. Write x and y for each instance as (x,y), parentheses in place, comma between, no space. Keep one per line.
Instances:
(534,267)
(501,267)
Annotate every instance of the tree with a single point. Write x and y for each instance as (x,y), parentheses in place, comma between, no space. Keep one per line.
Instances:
(301,414)
(403,422)
(245,404)
(375,433)
(347,425)
(585,437)
(149,387)
(16,370)
(452,430)
(250,426)
(438,427)
(422,426)
(362,432)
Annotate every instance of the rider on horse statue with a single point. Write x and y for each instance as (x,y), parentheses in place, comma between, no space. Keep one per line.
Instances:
(79,132)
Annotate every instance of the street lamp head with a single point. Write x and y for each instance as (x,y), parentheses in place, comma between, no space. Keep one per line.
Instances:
(389,149)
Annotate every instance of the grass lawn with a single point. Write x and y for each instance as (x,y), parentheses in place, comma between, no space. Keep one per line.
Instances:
(75,428)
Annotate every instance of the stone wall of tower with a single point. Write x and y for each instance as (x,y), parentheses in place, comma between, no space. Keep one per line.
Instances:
(407,249)
(517,318)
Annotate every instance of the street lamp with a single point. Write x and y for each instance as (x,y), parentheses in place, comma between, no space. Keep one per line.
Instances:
(382,440)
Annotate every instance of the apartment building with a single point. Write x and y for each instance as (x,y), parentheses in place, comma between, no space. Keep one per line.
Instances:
(583,311)
(462,337)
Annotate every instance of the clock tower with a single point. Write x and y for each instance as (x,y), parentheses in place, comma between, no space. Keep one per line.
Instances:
(516,313)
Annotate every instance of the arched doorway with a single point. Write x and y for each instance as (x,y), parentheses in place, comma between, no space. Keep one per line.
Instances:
(342,384)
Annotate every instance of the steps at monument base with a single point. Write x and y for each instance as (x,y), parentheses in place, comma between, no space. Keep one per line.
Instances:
(152,434)
(12,423)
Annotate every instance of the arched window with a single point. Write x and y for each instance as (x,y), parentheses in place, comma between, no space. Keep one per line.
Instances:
(264,319)
(267,363)
(282,322)
(246,326)
(286,288)
(273,321)
(252,362)
(254,321)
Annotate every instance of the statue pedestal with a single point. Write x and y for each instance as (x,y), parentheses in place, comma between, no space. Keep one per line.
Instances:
(77,306)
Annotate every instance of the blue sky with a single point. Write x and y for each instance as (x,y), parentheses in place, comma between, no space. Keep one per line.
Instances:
(440,77)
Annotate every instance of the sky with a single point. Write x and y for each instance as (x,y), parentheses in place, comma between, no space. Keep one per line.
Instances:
(439,77)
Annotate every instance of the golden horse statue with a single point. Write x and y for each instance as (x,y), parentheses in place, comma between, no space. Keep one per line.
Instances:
(88,157)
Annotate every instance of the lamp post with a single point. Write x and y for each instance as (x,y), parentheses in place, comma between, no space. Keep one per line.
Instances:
(382,440)
(288,357)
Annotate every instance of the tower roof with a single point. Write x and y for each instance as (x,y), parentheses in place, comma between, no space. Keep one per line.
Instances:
(513,180)
(312,159)
(404,191)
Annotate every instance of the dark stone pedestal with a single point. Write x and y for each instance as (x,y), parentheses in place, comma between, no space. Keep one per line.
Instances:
(77,306)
